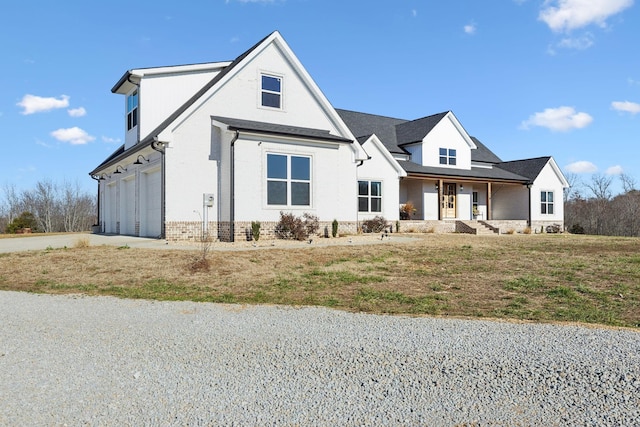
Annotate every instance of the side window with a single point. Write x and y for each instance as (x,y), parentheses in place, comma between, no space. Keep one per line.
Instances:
(288,180)
(546,202)
(271,91)
(369,196)
(132,110)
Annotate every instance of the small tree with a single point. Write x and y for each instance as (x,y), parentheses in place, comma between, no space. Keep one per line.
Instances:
(25,220)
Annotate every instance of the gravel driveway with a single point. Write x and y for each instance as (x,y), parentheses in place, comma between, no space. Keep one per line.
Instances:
(76,360)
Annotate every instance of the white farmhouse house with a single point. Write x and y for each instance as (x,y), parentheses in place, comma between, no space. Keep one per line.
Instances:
(216,146)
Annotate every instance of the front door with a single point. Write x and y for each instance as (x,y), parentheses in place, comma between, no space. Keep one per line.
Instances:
(448,202)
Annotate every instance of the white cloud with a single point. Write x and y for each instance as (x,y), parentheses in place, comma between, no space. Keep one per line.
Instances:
(581,166)
(558,119)
(579,43)
(77,112)
(567,15)
(110,140)
(470,28)
(37,104)
(626,106)
(74,136)
(615,170)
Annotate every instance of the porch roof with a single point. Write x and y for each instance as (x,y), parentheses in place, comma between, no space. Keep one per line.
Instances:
(476,174)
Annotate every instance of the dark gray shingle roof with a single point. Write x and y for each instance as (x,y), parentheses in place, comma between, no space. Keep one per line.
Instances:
(276,129)
(415,130)
(482,153)
(529,168)
(364,124)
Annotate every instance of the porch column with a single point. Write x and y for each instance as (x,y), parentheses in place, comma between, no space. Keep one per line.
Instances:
(440,184)
(489,216)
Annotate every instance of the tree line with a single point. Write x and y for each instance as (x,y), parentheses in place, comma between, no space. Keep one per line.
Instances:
(591,208)
(49,207)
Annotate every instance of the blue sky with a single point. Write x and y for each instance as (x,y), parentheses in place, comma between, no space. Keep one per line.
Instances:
(529,78)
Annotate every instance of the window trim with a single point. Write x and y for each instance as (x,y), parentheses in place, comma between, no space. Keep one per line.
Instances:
(263,91)
(545,204)
(369,197)
(288,180)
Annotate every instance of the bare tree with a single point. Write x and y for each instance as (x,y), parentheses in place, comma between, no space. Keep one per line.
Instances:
(628,182)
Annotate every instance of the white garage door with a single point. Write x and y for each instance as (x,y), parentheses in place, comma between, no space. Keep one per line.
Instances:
(150,212)
(128,206)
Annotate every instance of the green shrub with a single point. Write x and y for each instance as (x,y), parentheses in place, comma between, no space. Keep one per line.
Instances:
(334,228)
(255,230)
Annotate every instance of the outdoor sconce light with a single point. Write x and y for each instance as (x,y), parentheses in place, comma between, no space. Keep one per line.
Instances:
(118,169)
(461,187)
(437,186)
(138,162)
(103,177)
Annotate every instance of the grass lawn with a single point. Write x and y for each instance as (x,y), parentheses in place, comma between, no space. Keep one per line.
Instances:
(544,278)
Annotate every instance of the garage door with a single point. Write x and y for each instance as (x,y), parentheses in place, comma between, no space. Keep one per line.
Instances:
(151,201)
(128,206)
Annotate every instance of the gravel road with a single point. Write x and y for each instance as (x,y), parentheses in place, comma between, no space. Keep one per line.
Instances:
(101,361)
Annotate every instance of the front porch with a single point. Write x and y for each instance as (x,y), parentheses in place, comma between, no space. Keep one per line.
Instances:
(479,227)
(451,199)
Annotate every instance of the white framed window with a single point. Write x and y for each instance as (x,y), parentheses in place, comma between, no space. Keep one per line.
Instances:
(132,110)
(448,156)
(288,180)
(271,91)
(369,196)
(546,202)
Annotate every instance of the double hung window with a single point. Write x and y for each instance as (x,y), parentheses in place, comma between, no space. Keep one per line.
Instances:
(546,202)
(447,156)
(288,180)
(369,196)
(132,110)
(271,94)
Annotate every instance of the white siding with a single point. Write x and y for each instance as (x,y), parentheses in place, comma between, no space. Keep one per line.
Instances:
(150,203)
(110,208)
(509,202)
(547,180)
(378,168)
(446,135)
(127,205)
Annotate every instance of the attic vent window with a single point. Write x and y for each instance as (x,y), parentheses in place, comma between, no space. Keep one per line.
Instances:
(271,91)
(447,156)
(132,110)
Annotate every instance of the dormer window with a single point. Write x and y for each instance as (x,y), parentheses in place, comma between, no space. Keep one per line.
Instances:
(271,91)
(132,110)
(447,156)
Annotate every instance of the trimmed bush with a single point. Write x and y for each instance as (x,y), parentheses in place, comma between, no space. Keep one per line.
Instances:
(291,227)
(374,225)
(255,230)
(334,228)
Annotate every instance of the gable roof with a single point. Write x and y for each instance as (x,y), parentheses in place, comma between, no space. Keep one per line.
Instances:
(415,130)
(495,174)
(529,168)
(363,125)
(275,129)
(482,153)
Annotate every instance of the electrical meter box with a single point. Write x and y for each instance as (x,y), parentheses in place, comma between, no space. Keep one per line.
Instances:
(207,200)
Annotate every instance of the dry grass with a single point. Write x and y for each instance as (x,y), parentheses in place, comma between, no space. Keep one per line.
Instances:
(536,277)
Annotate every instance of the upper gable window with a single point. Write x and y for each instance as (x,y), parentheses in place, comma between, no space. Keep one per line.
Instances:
(132,110)
(447,156)
(271,91)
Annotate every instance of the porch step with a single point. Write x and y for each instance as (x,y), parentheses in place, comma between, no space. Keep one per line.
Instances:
(479,228)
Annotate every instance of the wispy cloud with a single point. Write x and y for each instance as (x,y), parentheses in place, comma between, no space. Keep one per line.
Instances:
(74,136)
(77,112)
(36,104)
(559,119)
(626,106)
(567,15)
(470,29)
(414,13)
(615,170)
(581,166)
(110,140)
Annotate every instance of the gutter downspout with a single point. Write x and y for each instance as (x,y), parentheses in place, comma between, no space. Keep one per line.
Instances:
(159,147)
(232,204)
(529,185)
(98,203)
